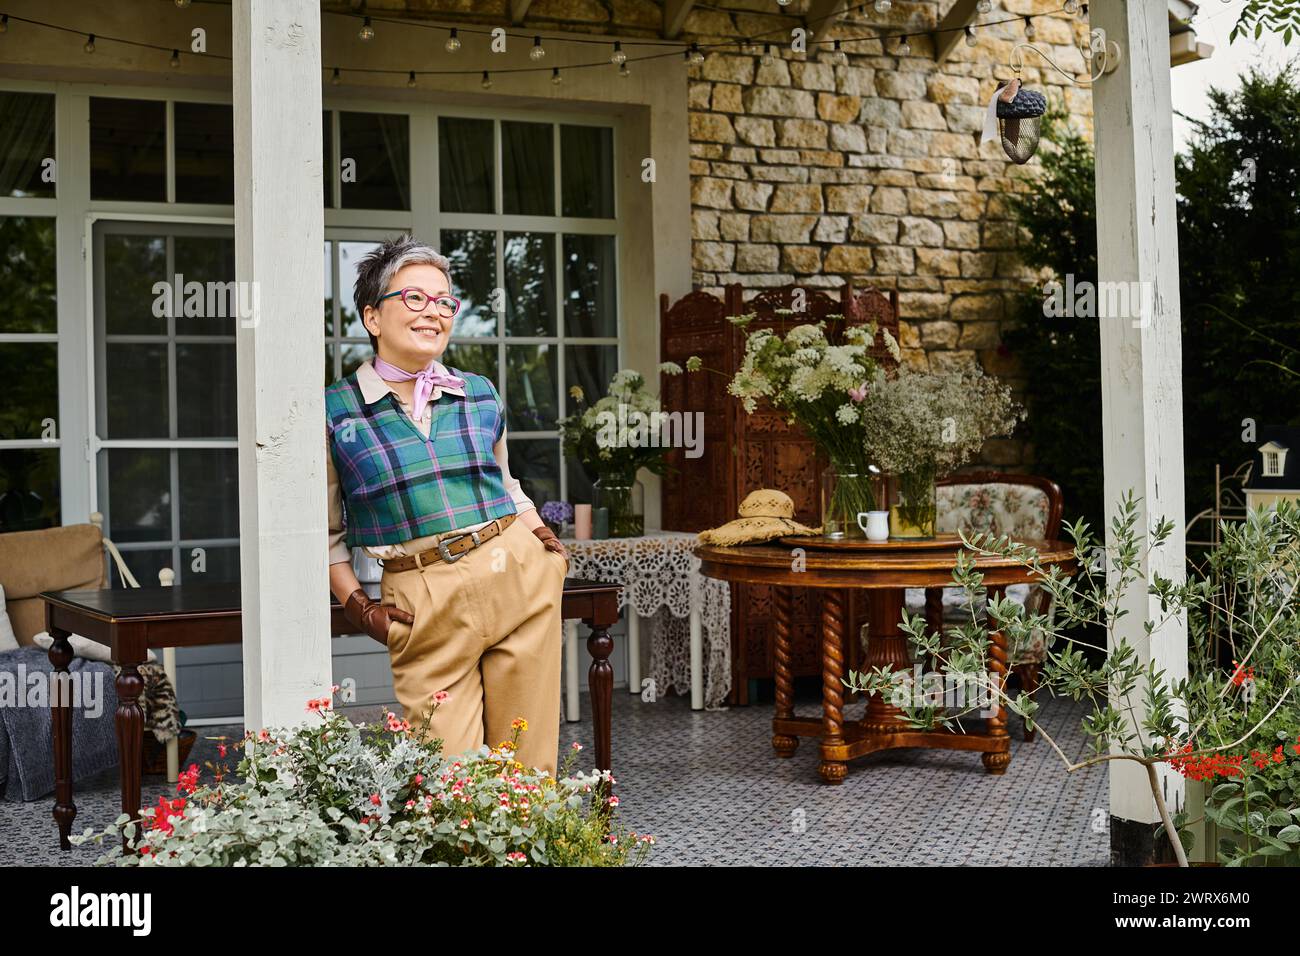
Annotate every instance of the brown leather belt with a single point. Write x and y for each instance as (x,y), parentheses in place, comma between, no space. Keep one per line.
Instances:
(449,549)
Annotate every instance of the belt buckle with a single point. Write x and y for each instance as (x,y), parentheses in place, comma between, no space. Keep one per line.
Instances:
(453,558)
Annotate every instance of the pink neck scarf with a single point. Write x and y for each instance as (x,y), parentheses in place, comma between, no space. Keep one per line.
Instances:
(425,381)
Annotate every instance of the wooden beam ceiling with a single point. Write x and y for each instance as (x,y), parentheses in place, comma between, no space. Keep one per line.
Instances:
(952,27)
(519,10)
(675,13)
(823,14)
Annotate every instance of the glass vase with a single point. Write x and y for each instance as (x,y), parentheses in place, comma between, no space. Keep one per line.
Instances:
(912,505)
(624,498)
(848,490)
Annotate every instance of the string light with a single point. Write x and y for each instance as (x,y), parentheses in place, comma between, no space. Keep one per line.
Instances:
(1031,31)
(970,37)
(767,54)
(618,57)
(487,81)
(175,61)
(694,54)
(623,71)
(538,51)
(882,6)
(904,48)
(410,80)
(89,46)
(334,77)
(838,56)
(1071,6)
(984,6)
(182,3)
(555,77)
(4,23)
(453,42)
(367,32)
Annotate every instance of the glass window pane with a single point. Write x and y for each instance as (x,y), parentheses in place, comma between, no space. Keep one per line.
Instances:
(590,367)
(580,480)
(139,496)
(27,275)
(536,463)
(530,283)
(350,254)
(590,299)
(527,169)
(376,164)
(211,565)
(354,356)
(531,387)
(327,158)
(587,171)
(29,489)
(329,364)
(205,152)
(135,388)
(26,142)
(128,149)
(473,258)
(30,373)
(205,391)
(209,492)
(132,264)
(471,357)
(466,160)
(145,565)
(205,259)
(329,290)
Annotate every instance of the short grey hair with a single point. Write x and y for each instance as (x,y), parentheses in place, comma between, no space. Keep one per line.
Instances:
(376,270)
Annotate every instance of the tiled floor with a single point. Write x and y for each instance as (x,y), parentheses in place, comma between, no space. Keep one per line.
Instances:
(710,789)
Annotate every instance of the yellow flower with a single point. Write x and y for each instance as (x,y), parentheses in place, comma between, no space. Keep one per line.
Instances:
(506,746)
(519,723)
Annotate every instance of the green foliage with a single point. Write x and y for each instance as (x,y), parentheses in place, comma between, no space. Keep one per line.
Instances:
(1275,16)
(1238,251)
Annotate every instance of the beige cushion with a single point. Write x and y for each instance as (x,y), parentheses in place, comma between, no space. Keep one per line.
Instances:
(85,647)
(51,559)
(7,640)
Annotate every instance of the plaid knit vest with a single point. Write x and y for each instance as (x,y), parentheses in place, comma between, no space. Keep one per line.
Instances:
(397,484)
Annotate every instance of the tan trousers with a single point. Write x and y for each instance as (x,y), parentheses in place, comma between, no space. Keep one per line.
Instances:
(486,631)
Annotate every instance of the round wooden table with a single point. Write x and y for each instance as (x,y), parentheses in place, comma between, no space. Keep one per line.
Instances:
(884,570)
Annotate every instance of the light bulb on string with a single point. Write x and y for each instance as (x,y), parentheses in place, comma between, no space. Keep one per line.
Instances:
(89,45)
(175,60)
(487,81)
(556,80)
(971,39)
(904,48)
(410,80)
(334,77)
(618,57)
(838,56)
(1031,31)
(882,6)
(453,42)
(367,32)
(694,54)
(182,3)
(538,51)
(4,23)
(767,54)
(623,71)
(1071,6)
(984,6)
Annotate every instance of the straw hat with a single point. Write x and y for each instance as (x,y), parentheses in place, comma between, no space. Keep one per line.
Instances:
(764,514)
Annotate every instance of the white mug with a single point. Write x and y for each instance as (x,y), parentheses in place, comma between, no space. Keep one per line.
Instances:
(877,526)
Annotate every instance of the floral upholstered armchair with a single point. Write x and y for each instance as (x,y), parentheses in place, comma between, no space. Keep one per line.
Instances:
(1022,506)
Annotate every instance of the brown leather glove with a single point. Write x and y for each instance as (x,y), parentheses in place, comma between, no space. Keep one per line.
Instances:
(551,541)
(372,617)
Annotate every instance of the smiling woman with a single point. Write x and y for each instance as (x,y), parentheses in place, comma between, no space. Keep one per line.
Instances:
(419,476)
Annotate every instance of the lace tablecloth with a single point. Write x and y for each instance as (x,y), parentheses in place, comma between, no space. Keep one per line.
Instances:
(661,580)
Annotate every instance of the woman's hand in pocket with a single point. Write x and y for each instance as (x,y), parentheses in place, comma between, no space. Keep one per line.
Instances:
(552,543)
(372,617)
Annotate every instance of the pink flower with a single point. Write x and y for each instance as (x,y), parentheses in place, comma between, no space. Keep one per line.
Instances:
(374,798)
(516,857)
(613,801)
(858,394)
(441,697)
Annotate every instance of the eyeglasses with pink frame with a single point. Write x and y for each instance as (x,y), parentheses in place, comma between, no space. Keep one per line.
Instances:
(417,300)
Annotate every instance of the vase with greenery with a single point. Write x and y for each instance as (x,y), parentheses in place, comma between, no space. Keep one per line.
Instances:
(819,374)
(921,426)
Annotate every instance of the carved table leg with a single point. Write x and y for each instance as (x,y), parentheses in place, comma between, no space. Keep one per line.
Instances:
(886,647)
(600,681)
(65,811)
(129,722)
(783,744)
(996,726)
(832,771)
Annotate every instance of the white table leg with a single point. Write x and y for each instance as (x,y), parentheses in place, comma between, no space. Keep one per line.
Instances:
(572,710)
(633,652)
(697,661)
(173,745)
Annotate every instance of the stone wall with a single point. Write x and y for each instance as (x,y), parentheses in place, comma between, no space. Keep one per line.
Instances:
(807,171)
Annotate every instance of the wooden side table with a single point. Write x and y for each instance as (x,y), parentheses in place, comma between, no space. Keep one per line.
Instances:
(884,571)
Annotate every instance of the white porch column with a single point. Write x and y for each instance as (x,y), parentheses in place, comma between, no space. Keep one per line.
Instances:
(1141,356)
(279,231)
